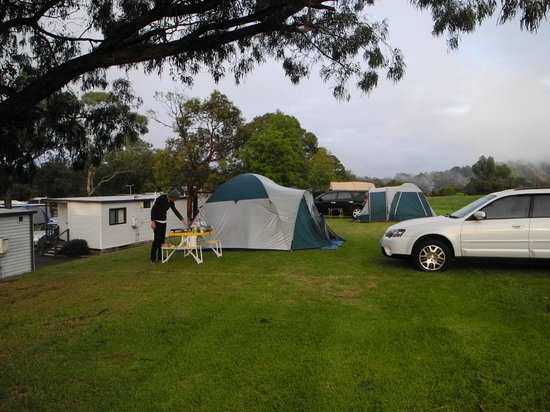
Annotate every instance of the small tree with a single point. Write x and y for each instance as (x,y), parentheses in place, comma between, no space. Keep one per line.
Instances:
(321,171)
(275,148)
(206,135)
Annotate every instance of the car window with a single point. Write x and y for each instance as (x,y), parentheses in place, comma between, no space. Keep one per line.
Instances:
(541,206)
(511,207)
(344,196)
(469,208)
(328,197)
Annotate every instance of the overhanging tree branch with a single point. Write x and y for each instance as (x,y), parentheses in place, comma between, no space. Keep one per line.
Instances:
(91,188)
(149,30)
(208,33)
(60,76)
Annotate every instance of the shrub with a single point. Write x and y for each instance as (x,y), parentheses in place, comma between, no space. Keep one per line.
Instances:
(75,248)
(42,245)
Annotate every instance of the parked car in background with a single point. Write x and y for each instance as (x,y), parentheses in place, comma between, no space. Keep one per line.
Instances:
(509,224)
(41,230)
(350,202)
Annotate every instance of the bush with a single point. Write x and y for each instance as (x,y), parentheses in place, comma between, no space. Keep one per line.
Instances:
(75,248)
(42,245)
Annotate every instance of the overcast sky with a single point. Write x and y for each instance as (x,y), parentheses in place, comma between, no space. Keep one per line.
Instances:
(490,97)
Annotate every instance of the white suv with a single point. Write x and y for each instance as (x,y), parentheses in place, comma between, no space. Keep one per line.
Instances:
(507,224)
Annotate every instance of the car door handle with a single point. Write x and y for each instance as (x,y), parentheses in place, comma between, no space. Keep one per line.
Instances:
(517,226)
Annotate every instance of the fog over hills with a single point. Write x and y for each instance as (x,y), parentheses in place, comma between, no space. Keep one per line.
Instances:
(536,174)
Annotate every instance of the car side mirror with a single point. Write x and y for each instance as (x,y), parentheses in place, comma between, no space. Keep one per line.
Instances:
(480,215)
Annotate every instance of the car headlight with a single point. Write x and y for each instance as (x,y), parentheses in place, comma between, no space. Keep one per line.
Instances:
(395,233)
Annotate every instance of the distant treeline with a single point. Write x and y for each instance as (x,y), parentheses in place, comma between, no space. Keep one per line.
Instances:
(490,176)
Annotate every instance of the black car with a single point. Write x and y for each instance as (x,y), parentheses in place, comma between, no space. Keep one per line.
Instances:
(350,202)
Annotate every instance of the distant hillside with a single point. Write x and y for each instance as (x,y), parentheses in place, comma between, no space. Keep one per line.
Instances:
(535,174)
(427,182)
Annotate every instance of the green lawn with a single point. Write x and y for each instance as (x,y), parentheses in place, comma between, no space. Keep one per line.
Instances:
(449,204)
(293,331)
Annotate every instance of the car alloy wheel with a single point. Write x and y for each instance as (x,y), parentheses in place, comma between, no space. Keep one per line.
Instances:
(432,256)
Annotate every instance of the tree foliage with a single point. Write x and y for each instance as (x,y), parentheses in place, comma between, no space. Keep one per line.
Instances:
(110,124)
(322,171)
(275,148)
(136,161)
(491,177)
(206,135)
(52,127)
(46,45)
(55,178)
(78,130)
(189,36)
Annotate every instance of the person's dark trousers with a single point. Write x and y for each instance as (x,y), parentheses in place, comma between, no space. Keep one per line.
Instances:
(158,240)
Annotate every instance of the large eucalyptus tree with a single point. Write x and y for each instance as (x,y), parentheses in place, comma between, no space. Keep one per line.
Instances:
(45,45)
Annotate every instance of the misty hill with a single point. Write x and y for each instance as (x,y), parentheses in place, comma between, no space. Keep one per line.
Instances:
(534,174)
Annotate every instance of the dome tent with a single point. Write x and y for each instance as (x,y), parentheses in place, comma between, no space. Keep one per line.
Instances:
(394,204)
(250,211)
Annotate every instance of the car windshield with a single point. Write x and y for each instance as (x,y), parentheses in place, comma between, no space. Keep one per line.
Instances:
(471,207)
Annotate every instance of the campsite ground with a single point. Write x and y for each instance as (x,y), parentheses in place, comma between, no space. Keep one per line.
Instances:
(42,261)
(314,330)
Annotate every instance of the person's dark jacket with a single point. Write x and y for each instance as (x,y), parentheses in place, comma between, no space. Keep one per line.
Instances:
(161,206)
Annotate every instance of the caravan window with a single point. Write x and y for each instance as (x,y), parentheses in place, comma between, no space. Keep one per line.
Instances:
(117,216)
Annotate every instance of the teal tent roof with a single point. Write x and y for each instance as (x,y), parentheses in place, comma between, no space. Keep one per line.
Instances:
(242,187)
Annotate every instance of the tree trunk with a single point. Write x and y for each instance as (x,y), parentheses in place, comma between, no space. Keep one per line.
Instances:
(90,173)
(7,201)
(189,194)
(195,201)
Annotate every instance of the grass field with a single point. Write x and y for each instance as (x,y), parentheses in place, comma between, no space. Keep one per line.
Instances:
(259,331)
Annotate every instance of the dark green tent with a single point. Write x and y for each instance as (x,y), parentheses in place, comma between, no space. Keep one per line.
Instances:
(394,204)
(250,211)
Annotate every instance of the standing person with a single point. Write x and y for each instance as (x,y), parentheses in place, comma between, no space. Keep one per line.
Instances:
(158,221)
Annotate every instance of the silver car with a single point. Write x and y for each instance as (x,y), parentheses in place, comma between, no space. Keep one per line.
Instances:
(509,224)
